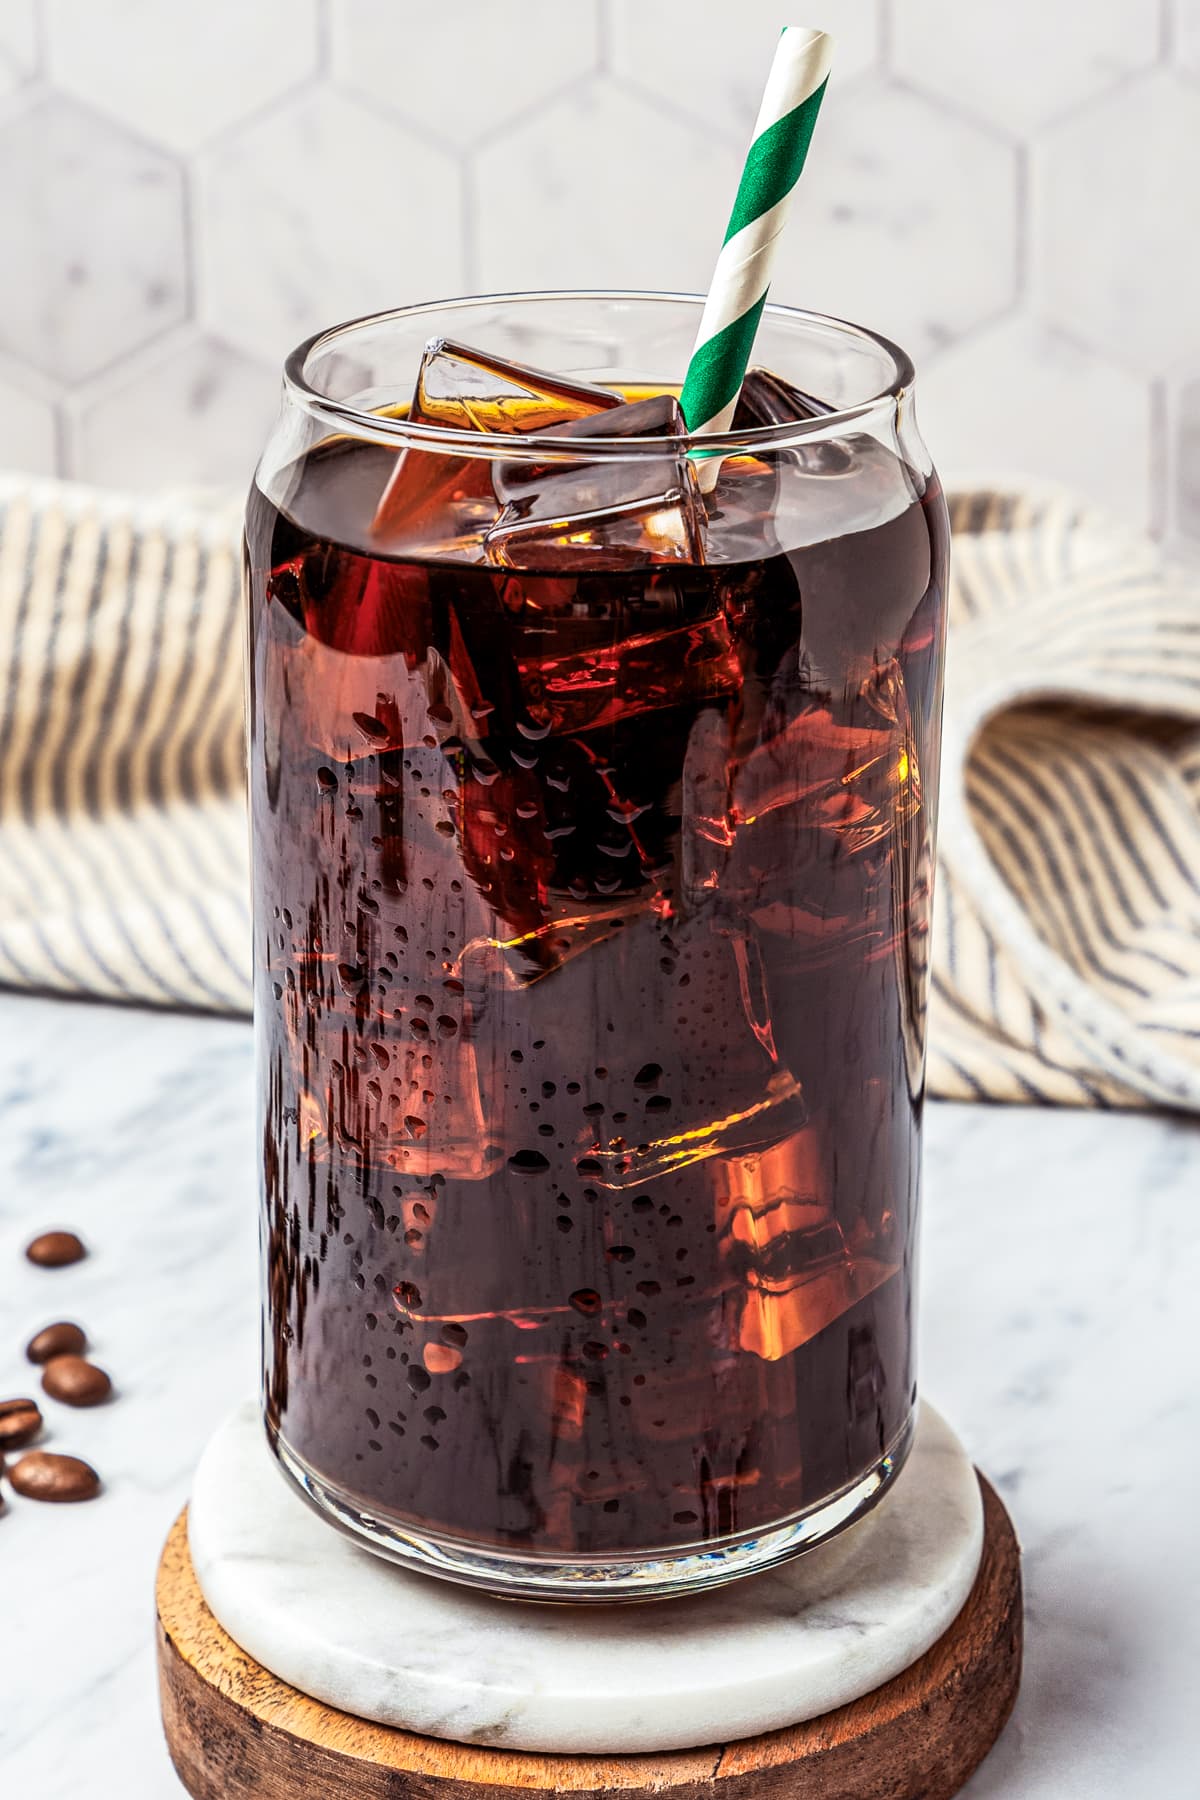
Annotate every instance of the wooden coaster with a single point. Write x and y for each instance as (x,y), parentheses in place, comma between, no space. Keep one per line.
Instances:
(235,1732)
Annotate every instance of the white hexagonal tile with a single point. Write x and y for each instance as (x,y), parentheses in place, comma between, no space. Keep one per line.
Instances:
(93,224)
(1019,399)
(18,44)
(317,213)
(1187,462)
(712,59)
(197,413)
(180,72)
(27,432)
(462,68)
(1116,259)
(1022,62)
(595,216)
(904,220)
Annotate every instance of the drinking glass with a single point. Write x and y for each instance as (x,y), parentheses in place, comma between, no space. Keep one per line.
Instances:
(593,782)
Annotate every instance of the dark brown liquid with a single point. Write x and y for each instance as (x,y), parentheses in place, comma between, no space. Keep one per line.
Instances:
(591,927)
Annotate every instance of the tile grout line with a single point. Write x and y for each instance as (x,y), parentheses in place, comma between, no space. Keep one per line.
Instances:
(885,25)
(324,24)
(1022,248)
(1161,509)
(1166,31)
(41,42)
(64,442)
(604,37)
(191,246)
(469,233)
(564,90)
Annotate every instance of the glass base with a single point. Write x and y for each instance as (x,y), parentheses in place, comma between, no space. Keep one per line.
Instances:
(646,1575)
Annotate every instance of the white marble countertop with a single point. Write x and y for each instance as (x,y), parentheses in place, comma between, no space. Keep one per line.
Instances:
(1061,1265)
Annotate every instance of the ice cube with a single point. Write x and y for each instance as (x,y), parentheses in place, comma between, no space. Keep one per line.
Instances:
(796,1267)
(858,781)
(767,399)
(355,603)
(747,507)
(640,673)
(726,1099)
(548,843)
(439,1120)
(470,390)
(344,706)
(828,802)
(706,822)
(492,963)
(505,849)
(608,513)
(778,1317)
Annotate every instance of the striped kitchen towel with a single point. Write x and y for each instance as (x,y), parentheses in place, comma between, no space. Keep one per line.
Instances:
(122,816)
(1066,951)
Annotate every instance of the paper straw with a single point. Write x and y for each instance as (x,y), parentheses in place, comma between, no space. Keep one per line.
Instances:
(782,133)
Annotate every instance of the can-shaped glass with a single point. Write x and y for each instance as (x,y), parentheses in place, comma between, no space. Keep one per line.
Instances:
(593,778)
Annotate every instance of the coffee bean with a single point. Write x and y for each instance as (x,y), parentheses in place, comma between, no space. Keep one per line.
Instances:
(75,1381)
(55,1249)
(20,1422)
(60,1339)
(43,1476)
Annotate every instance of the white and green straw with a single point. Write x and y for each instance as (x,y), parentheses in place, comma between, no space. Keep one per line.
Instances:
(782,133)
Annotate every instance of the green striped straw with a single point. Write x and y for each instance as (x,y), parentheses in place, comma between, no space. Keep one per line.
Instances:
(782,133)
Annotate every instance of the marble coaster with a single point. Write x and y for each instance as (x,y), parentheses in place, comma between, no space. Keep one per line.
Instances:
(771,1650)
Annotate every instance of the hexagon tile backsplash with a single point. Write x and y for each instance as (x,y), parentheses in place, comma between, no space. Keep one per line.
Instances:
(190,186)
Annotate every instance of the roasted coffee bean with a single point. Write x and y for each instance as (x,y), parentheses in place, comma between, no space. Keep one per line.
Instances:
(20,1422)
(44,1476)
(75,1381)
(55,1249)
(60,1339)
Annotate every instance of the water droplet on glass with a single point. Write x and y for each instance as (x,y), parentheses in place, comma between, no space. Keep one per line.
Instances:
(528,1162)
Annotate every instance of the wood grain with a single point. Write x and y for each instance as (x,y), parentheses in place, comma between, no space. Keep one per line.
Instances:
(237,1733)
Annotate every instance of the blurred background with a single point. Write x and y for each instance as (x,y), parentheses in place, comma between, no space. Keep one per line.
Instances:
(194,185)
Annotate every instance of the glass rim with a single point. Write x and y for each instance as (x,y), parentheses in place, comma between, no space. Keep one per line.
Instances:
(362,422)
